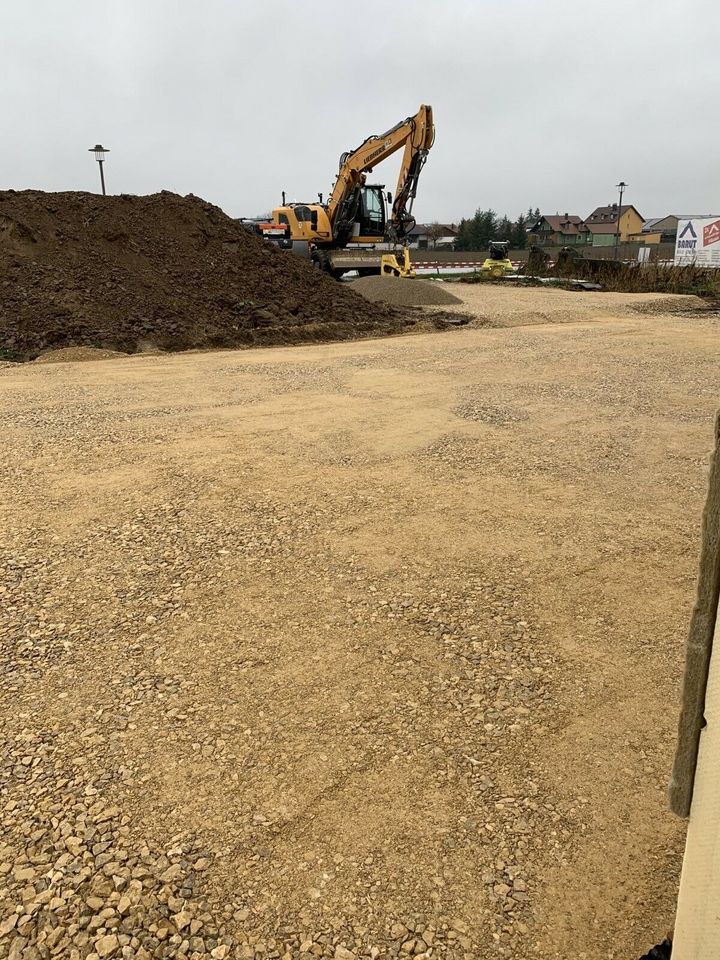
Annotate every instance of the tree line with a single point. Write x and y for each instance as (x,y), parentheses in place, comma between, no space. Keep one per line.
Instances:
(476,232)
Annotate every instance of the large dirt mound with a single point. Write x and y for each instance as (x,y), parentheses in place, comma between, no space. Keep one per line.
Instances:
(404,293)
(77,269)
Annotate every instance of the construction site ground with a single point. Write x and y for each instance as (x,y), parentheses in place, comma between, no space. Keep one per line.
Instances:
(362,649)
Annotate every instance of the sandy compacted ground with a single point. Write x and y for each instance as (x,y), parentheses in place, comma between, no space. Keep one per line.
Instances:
(361,650)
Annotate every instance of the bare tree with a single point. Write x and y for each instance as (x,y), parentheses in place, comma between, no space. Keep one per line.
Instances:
(435,231)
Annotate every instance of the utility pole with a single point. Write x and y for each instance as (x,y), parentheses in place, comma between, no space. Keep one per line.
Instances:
(100,151)
(621,187)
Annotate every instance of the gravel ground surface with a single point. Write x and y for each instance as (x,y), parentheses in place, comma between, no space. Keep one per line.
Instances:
(509,304)
(404,293)
(362,650)
(64,354)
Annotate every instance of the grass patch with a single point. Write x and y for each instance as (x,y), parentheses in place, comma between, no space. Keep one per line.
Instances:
(701,282)
(644,278)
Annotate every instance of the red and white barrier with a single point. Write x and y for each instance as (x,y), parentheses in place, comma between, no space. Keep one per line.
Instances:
(460,265)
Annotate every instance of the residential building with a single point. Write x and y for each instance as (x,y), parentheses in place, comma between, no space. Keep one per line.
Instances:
(431,236)
(664,229)
(660,229)
(560,230)
(603,224)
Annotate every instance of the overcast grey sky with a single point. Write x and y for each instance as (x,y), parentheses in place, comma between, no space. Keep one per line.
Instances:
(537,102)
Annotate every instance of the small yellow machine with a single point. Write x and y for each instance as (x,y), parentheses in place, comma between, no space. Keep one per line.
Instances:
(390,266)
(497,264)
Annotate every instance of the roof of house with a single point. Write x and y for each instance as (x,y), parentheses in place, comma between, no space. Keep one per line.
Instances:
(652,225)
(603,219)
(649,225)
(420,229)
(605,213)
(562,223)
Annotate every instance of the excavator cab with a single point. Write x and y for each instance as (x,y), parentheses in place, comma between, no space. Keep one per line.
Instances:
(371,215)
(362,217)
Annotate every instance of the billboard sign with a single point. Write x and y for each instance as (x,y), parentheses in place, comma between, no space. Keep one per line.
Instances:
(698,242)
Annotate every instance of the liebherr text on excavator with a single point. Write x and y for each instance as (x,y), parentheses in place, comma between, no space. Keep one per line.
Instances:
(353,230)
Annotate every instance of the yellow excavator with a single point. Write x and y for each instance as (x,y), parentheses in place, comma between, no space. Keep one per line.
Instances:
(352,230)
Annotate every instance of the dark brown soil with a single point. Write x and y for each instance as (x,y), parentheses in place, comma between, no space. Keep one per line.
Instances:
(404,293)
(125,272)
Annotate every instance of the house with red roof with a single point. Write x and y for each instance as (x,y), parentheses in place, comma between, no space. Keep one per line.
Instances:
(560,230)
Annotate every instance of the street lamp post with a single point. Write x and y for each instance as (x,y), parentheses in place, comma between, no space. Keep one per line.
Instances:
(100,151)
(621,187)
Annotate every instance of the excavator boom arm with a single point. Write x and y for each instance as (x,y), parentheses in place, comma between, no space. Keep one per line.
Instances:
(416,134)
(417,147)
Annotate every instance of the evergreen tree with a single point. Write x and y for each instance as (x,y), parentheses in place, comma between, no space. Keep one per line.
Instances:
(464,238)
(487,228)
(505,230)
(519,233)
(476,232)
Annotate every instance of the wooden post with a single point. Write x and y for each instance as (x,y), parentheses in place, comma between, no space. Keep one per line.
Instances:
(697,924)
(695,784)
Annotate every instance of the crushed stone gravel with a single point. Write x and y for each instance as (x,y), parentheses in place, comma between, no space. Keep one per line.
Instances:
(403,292)
(75,354)
(334,652)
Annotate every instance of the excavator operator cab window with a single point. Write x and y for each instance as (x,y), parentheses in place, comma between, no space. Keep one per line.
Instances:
(372,214)
(282,218)
(305,214)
